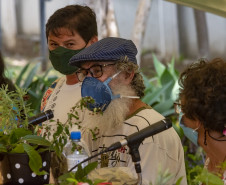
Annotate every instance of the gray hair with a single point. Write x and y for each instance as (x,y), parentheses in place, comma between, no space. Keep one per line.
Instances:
(137,83)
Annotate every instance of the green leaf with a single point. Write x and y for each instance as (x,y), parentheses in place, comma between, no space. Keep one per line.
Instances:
(154,96)
(31,75)
(2,148)
(172,69)
(159,67)
(179,181)
(175,91)
(208,178)
(20,132)
(59,130)
(164,106)
(90,167)
(79,173)
(35,160)
(4,139)
(165,79)
(178,130)
(19,78)
(72,180)
(66,175)
(33,139)
(87,181)
(148,82)
(13,138)
(18,149)
(40,150)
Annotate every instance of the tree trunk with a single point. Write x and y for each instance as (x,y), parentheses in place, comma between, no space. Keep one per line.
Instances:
(105,16)
(112,27)
(202,33)
(9,29)
(140,25)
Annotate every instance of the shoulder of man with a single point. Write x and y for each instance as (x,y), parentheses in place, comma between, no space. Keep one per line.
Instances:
(145,117)
(166,140)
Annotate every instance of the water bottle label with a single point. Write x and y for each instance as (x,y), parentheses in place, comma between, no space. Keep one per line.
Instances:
(74,160)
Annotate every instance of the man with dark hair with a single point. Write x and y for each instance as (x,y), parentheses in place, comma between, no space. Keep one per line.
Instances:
(68,31)
(109,73)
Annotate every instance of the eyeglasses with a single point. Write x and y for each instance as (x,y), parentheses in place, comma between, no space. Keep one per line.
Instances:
(177,107)
(96,71)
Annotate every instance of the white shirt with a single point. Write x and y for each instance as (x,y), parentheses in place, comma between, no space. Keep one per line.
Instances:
(62,98)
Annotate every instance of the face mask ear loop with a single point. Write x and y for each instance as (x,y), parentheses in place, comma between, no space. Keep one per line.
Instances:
(115,75)
(111,78)
(196,128)
(123,96)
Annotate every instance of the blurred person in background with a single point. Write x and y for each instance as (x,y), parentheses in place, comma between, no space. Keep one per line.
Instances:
(3,79)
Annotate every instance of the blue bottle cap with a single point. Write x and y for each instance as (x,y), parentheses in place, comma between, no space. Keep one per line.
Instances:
(75,135)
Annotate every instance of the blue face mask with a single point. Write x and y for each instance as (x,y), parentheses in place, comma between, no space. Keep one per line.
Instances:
(100,92)
(191,134)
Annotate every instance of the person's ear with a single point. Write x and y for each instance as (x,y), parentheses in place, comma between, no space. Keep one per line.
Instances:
(129,77)
(92,40)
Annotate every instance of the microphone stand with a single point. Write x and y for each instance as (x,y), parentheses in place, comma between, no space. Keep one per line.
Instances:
(135,154)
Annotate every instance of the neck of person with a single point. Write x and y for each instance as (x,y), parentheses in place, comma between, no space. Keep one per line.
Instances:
(137,104)
(72,79)
(215,151)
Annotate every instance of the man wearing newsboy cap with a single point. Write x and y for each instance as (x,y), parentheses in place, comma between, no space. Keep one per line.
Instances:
(109,73)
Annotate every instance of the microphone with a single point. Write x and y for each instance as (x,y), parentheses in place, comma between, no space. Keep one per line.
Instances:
(35,120)
(138,137)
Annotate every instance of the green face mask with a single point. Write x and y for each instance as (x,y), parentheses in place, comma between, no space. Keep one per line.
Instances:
(60,57)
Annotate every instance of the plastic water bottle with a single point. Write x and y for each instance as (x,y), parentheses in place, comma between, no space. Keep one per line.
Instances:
(75,151)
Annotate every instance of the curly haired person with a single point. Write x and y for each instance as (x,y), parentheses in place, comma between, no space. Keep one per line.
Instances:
(202,108)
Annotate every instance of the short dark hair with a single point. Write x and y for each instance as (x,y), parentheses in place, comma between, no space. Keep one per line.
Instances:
(81,19)
(203,93)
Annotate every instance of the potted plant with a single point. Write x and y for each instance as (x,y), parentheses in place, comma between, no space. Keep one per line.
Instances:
(24,153)
(22,145)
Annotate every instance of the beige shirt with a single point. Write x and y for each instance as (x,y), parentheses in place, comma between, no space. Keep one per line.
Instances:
(163,151)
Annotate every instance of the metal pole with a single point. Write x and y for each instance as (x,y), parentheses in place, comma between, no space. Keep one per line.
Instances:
(43,46)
